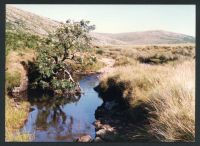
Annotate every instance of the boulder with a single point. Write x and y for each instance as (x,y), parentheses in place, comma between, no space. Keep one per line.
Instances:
(85,138)
(98,139)
(108,128)
(101,132)
(107,135)
(97,125)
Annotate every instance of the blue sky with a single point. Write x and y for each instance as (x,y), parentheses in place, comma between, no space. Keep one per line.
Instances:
(123,18)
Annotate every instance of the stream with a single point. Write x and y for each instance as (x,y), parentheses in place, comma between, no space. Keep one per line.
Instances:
(66,121)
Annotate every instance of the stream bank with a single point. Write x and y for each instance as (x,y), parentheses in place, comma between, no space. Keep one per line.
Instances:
(116,119)
(87,119)
(115,123)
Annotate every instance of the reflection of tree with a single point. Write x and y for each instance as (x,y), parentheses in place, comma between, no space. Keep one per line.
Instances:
(41,122)
(50,114)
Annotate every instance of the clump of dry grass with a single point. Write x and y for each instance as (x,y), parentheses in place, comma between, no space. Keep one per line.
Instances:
(173,102)
(15,71)
(167,91)
(132,83)
(123,60)
(15,116)
(12,80)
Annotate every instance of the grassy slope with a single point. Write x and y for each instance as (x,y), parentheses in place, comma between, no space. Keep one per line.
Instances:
(167,90)
(18,48)
(16,112)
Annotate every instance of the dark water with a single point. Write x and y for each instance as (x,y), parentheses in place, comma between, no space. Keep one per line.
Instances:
(52,121)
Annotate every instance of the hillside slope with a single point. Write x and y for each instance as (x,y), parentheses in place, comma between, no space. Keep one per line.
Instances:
(19,20)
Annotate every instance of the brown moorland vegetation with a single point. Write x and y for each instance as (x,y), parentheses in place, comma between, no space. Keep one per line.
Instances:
(166,89)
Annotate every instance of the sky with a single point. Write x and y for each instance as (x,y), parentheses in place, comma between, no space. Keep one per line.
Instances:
(123,18)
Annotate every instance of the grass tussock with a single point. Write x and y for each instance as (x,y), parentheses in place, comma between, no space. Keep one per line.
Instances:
(87,66)
(99,51)
(173,102)
(134,82)
(12,80)
(15,71)
(15,116)
(123,61)
(168,92)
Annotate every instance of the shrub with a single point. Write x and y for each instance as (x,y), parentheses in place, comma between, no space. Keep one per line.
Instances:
(122,61)
(21,40)
(99,51)
(157,58)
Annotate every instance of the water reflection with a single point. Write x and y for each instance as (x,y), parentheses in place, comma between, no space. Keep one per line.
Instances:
(64,119)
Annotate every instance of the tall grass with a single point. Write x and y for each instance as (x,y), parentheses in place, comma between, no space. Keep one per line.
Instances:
(15,116)
(138,79)
(173,101)
(168,92)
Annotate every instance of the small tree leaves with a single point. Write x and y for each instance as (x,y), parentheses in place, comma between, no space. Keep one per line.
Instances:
(68,40)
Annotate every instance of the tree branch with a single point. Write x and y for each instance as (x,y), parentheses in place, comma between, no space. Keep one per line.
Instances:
(70,77)
(65,52)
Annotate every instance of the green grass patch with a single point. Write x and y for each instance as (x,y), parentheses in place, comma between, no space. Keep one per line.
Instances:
(21,40)
(12,80)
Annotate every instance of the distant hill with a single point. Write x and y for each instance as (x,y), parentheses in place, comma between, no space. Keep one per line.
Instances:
(20,20)
(145,37)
